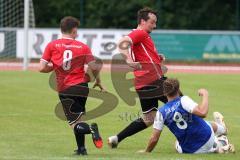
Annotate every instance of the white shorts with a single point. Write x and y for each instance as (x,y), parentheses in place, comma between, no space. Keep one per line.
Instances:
(206,148)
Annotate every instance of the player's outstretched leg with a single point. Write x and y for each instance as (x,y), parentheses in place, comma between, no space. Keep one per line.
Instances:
(113,141)
(97,140)
(133,128)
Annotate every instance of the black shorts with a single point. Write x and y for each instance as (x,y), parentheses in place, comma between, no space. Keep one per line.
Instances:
(151,94)
(73,100)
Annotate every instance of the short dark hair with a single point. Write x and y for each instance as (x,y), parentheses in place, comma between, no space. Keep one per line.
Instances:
(68,23)
(143,14)
(171,87)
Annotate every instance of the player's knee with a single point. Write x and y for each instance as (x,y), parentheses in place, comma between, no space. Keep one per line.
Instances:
(82,128)
(148,123)
(148,118)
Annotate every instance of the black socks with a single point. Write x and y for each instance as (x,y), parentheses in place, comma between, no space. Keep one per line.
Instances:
(133,128)
(80,130)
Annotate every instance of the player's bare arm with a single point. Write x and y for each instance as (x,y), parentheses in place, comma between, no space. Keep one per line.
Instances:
(163,59)
(94,69)
(45,67)
(202,109)
(123,47)
(152,141)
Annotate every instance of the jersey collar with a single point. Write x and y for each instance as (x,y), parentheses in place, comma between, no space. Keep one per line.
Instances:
(66,38)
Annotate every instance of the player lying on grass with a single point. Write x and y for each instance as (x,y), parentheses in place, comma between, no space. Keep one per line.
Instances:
(184,118)
(67,57)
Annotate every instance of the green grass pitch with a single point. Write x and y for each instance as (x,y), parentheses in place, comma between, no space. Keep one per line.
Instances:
(29,128)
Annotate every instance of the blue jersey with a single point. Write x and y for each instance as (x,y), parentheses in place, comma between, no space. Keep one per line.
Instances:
(191,131)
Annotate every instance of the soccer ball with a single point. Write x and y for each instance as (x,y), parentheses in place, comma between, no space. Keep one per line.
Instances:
(222,141)
(223,145)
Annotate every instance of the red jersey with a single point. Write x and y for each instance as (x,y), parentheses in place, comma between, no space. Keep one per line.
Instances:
(68,57)
(144,51)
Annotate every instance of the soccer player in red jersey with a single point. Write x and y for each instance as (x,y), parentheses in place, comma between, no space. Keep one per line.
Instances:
(67,57)
(141,54)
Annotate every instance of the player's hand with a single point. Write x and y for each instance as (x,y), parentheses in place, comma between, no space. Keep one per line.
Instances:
(135,65)
(99,85)
(162,57)
(202,92)
(142,151)
(164,69)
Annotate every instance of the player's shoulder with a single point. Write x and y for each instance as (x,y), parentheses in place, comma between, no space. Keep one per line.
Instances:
(51,44)
(185,98)
(188,104)
(163,108)
(174,103)
(163,111)
(139,31)
(55,43)
(79,43)
(73,42)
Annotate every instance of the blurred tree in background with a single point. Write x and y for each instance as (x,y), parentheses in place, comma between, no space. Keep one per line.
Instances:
(173,14)
(48,13)
(204,14)
(114,13)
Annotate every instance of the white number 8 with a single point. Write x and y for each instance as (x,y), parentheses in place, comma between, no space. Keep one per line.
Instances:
(67,57)
(181,123)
